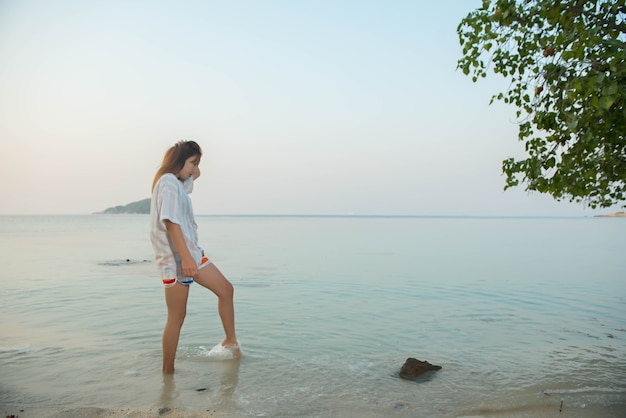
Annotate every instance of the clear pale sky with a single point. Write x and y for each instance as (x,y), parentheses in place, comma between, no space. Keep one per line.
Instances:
(301,107)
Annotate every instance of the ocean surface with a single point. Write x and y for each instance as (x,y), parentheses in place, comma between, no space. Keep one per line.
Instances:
(525,315)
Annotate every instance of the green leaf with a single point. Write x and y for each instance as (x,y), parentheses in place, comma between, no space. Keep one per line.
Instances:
(572,123)
(611,89)
(605,102)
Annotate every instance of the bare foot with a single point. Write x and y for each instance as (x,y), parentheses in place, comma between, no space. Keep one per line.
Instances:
(235,349)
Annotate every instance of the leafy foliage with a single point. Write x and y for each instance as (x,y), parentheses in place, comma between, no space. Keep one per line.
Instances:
(566,60)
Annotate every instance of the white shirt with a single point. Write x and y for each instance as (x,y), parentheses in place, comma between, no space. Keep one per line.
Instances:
(171,201)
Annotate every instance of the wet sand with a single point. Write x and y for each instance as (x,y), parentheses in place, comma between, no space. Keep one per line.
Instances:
(92,412)
(533,411)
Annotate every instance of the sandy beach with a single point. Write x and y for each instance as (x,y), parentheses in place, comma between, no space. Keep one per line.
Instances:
(93,412)
(548,410)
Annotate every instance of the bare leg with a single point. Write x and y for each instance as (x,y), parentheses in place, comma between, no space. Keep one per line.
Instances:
(176,300)
(211,278)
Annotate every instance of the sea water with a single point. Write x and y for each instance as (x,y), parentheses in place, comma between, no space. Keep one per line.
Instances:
(525,315)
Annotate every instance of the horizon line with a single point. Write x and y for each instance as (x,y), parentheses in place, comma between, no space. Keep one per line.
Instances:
(335,215)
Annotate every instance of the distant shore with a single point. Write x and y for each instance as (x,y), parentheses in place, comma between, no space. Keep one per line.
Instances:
(613,215)
(138,207)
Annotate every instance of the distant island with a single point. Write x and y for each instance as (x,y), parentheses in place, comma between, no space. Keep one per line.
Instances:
(613,215)
(141,206)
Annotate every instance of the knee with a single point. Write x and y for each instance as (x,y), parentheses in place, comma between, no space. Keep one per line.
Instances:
(227,291)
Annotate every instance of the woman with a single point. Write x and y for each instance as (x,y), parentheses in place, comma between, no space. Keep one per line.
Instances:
(173,232)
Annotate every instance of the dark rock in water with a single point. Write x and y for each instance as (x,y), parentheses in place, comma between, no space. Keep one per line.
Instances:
(413,368)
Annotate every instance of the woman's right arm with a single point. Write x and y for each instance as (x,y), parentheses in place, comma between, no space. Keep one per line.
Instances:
(190,269)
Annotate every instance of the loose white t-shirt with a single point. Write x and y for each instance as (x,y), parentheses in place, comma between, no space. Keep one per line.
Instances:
(171,201)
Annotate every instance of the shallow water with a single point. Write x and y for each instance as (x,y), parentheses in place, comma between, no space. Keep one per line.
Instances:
(522,313)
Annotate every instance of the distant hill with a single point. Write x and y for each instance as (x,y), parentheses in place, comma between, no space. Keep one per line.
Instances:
(141,206)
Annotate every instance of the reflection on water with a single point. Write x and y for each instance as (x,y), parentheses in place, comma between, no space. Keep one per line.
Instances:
(229,378)
(228,384)
(168,393)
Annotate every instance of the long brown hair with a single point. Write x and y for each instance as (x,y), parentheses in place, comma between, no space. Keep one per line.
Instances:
(175,157)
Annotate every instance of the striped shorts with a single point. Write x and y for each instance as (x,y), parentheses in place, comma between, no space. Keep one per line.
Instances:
(169,281)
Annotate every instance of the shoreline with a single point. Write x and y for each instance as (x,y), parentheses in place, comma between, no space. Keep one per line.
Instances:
(96,412)
(538,410)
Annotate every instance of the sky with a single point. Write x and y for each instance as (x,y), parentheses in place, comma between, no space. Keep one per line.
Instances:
(301,107)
